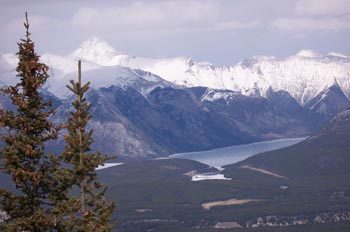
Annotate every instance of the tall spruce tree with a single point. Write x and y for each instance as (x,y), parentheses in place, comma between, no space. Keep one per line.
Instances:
(24,133)
(89,211)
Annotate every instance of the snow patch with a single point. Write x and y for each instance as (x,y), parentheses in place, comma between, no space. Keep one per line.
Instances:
(209,176)
(214,95)
(108,165)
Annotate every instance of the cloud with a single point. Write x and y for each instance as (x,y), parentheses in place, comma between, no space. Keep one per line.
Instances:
(166,16)
(311,24)
(316,16)
(206,29)
(322,7)
(234,25)
(160,14)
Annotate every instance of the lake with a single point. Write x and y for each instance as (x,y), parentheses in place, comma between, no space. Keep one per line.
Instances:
(233,154)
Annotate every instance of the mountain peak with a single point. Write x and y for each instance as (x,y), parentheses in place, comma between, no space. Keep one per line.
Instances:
(93,48)
(97,43)
(308,54)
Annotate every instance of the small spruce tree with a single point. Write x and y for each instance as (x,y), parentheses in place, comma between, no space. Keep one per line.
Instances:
(89,211)
(24,133)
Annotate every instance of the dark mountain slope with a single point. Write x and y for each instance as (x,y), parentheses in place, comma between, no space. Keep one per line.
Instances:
(131,122)
(329,102)
(262,117)
(325,153)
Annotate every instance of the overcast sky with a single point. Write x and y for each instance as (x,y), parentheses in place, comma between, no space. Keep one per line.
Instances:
(218,31)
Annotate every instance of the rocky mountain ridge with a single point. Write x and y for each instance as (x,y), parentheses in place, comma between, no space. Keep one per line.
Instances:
(303,75)
(146,107)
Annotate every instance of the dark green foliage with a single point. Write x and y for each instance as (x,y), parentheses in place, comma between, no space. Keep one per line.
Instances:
(42,197)
(24,134)
(89,211)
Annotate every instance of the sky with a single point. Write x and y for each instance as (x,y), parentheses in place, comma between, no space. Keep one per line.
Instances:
(221,32)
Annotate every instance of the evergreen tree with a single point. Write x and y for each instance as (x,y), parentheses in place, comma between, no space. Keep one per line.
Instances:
(89,211)
(24,133)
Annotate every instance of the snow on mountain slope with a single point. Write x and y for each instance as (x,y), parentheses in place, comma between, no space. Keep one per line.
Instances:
(303,75)
(63,69)
(8,64)
(214,95)
(123,77)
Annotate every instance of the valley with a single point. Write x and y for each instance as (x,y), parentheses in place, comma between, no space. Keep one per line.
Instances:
(157,196)
(257,194)
(175,116)
(146,109)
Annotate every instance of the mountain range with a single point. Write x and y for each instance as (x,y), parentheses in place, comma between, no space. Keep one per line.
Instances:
(147,107)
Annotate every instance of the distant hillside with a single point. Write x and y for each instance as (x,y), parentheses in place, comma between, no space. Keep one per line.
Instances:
(325,153)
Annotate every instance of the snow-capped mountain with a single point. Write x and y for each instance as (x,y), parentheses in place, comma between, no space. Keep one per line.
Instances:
(146,107)
(62,69)
(303,75)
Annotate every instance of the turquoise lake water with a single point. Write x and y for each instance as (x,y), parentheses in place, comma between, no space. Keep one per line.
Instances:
(233,154)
